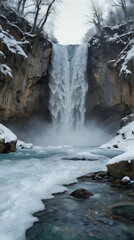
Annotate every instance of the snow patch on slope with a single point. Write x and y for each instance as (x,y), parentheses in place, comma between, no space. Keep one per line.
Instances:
(6,135)
(6,70)
(124,138)
(12,44)
(127,56)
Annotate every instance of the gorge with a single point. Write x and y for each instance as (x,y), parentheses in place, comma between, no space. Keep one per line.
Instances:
(62,99)
(24,75)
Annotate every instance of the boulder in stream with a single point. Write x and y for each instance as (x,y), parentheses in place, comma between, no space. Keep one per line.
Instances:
(81,193)
(121,169)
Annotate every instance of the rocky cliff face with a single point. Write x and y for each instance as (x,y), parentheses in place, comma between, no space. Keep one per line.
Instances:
(111,73)
(24,64)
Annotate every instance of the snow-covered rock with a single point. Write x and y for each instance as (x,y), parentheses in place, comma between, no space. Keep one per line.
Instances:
(122,165)
(7,140)
(21,144)
(126,179)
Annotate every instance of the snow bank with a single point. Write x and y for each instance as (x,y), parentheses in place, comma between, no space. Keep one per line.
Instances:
(127,156)
(6,134)
(124,138)
(123,164)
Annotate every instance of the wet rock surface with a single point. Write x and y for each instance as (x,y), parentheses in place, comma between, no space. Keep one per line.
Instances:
(7,147)
(121,169)
(81,193)
(124,212)
(108,215)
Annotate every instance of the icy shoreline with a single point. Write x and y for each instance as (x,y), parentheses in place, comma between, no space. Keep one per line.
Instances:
(28,176)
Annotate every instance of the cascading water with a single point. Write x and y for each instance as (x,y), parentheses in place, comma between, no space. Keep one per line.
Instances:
(68,86)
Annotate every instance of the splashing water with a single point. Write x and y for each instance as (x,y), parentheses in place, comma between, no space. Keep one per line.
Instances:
(68,86)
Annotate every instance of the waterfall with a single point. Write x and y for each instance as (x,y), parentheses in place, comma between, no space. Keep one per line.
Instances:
(68,86)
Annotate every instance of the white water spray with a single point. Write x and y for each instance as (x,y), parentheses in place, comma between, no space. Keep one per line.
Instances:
(68,86)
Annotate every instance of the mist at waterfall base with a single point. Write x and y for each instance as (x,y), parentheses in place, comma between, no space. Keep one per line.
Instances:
(43,134)
(68,88)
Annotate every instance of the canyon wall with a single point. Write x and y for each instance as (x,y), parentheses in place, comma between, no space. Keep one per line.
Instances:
(24,61)
(110,73)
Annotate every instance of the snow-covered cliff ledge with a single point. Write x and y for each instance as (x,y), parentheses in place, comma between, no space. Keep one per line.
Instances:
(8,140)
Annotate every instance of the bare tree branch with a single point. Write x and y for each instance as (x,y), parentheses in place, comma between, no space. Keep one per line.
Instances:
(97,16)
(122,4)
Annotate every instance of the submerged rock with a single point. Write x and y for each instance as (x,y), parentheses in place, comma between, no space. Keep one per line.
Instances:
(81,193)
(124,212)
(7,140)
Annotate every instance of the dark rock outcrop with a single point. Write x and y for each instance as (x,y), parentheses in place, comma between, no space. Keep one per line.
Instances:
(7,147)
(121,169)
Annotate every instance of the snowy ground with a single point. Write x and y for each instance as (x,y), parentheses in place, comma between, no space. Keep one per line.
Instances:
(124,139)
(28,176)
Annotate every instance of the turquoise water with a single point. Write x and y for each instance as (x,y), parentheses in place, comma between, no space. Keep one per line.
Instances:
(27,176)
(108,215)
(30,175)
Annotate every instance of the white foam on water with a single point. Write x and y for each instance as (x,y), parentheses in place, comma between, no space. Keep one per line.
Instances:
(24,181)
